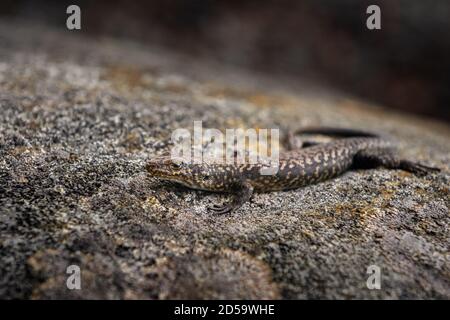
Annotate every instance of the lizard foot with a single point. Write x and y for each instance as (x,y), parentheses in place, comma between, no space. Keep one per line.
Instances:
(242,193)
(222,208)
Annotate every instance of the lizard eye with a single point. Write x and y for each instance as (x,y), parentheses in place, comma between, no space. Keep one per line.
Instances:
(205,177)
(175,165)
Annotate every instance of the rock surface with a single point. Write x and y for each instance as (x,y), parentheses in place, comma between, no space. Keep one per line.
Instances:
(80,117)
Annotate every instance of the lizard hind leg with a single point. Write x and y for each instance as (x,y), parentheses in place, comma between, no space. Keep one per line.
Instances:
(374,158)
(417,168)
(291,143)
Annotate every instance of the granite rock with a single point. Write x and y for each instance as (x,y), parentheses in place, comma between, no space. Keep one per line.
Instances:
(80,117)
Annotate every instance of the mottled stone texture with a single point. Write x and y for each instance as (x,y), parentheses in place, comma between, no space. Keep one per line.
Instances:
(78,119)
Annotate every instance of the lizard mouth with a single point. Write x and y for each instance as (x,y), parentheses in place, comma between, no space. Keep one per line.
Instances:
(158,170)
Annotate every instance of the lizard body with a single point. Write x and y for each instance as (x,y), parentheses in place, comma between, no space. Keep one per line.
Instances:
(297,168)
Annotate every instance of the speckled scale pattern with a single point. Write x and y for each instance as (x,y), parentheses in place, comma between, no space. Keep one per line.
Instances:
(296,168)
(314,164)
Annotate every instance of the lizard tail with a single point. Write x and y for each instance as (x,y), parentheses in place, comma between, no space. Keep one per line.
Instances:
(338,132)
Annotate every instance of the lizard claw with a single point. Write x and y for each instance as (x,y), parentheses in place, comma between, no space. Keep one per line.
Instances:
(221,208)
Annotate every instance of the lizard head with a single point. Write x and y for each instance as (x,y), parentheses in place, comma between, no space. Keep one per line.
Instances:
(196,176)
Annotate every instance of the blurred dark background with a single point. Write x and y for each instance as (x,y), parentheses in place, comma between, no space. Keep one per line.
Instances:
(405,65)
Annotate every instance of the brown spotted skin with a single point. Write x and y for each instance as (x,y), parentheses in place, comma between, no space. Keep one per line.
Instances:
(306,166)
(297,168)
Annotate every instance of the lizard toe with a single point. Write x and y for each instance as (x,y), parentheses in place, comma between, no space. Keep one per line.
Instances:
(221,209)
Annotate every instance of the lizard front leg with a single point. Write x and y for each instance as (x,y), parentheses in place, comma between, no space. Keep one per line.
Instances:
(241,194)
